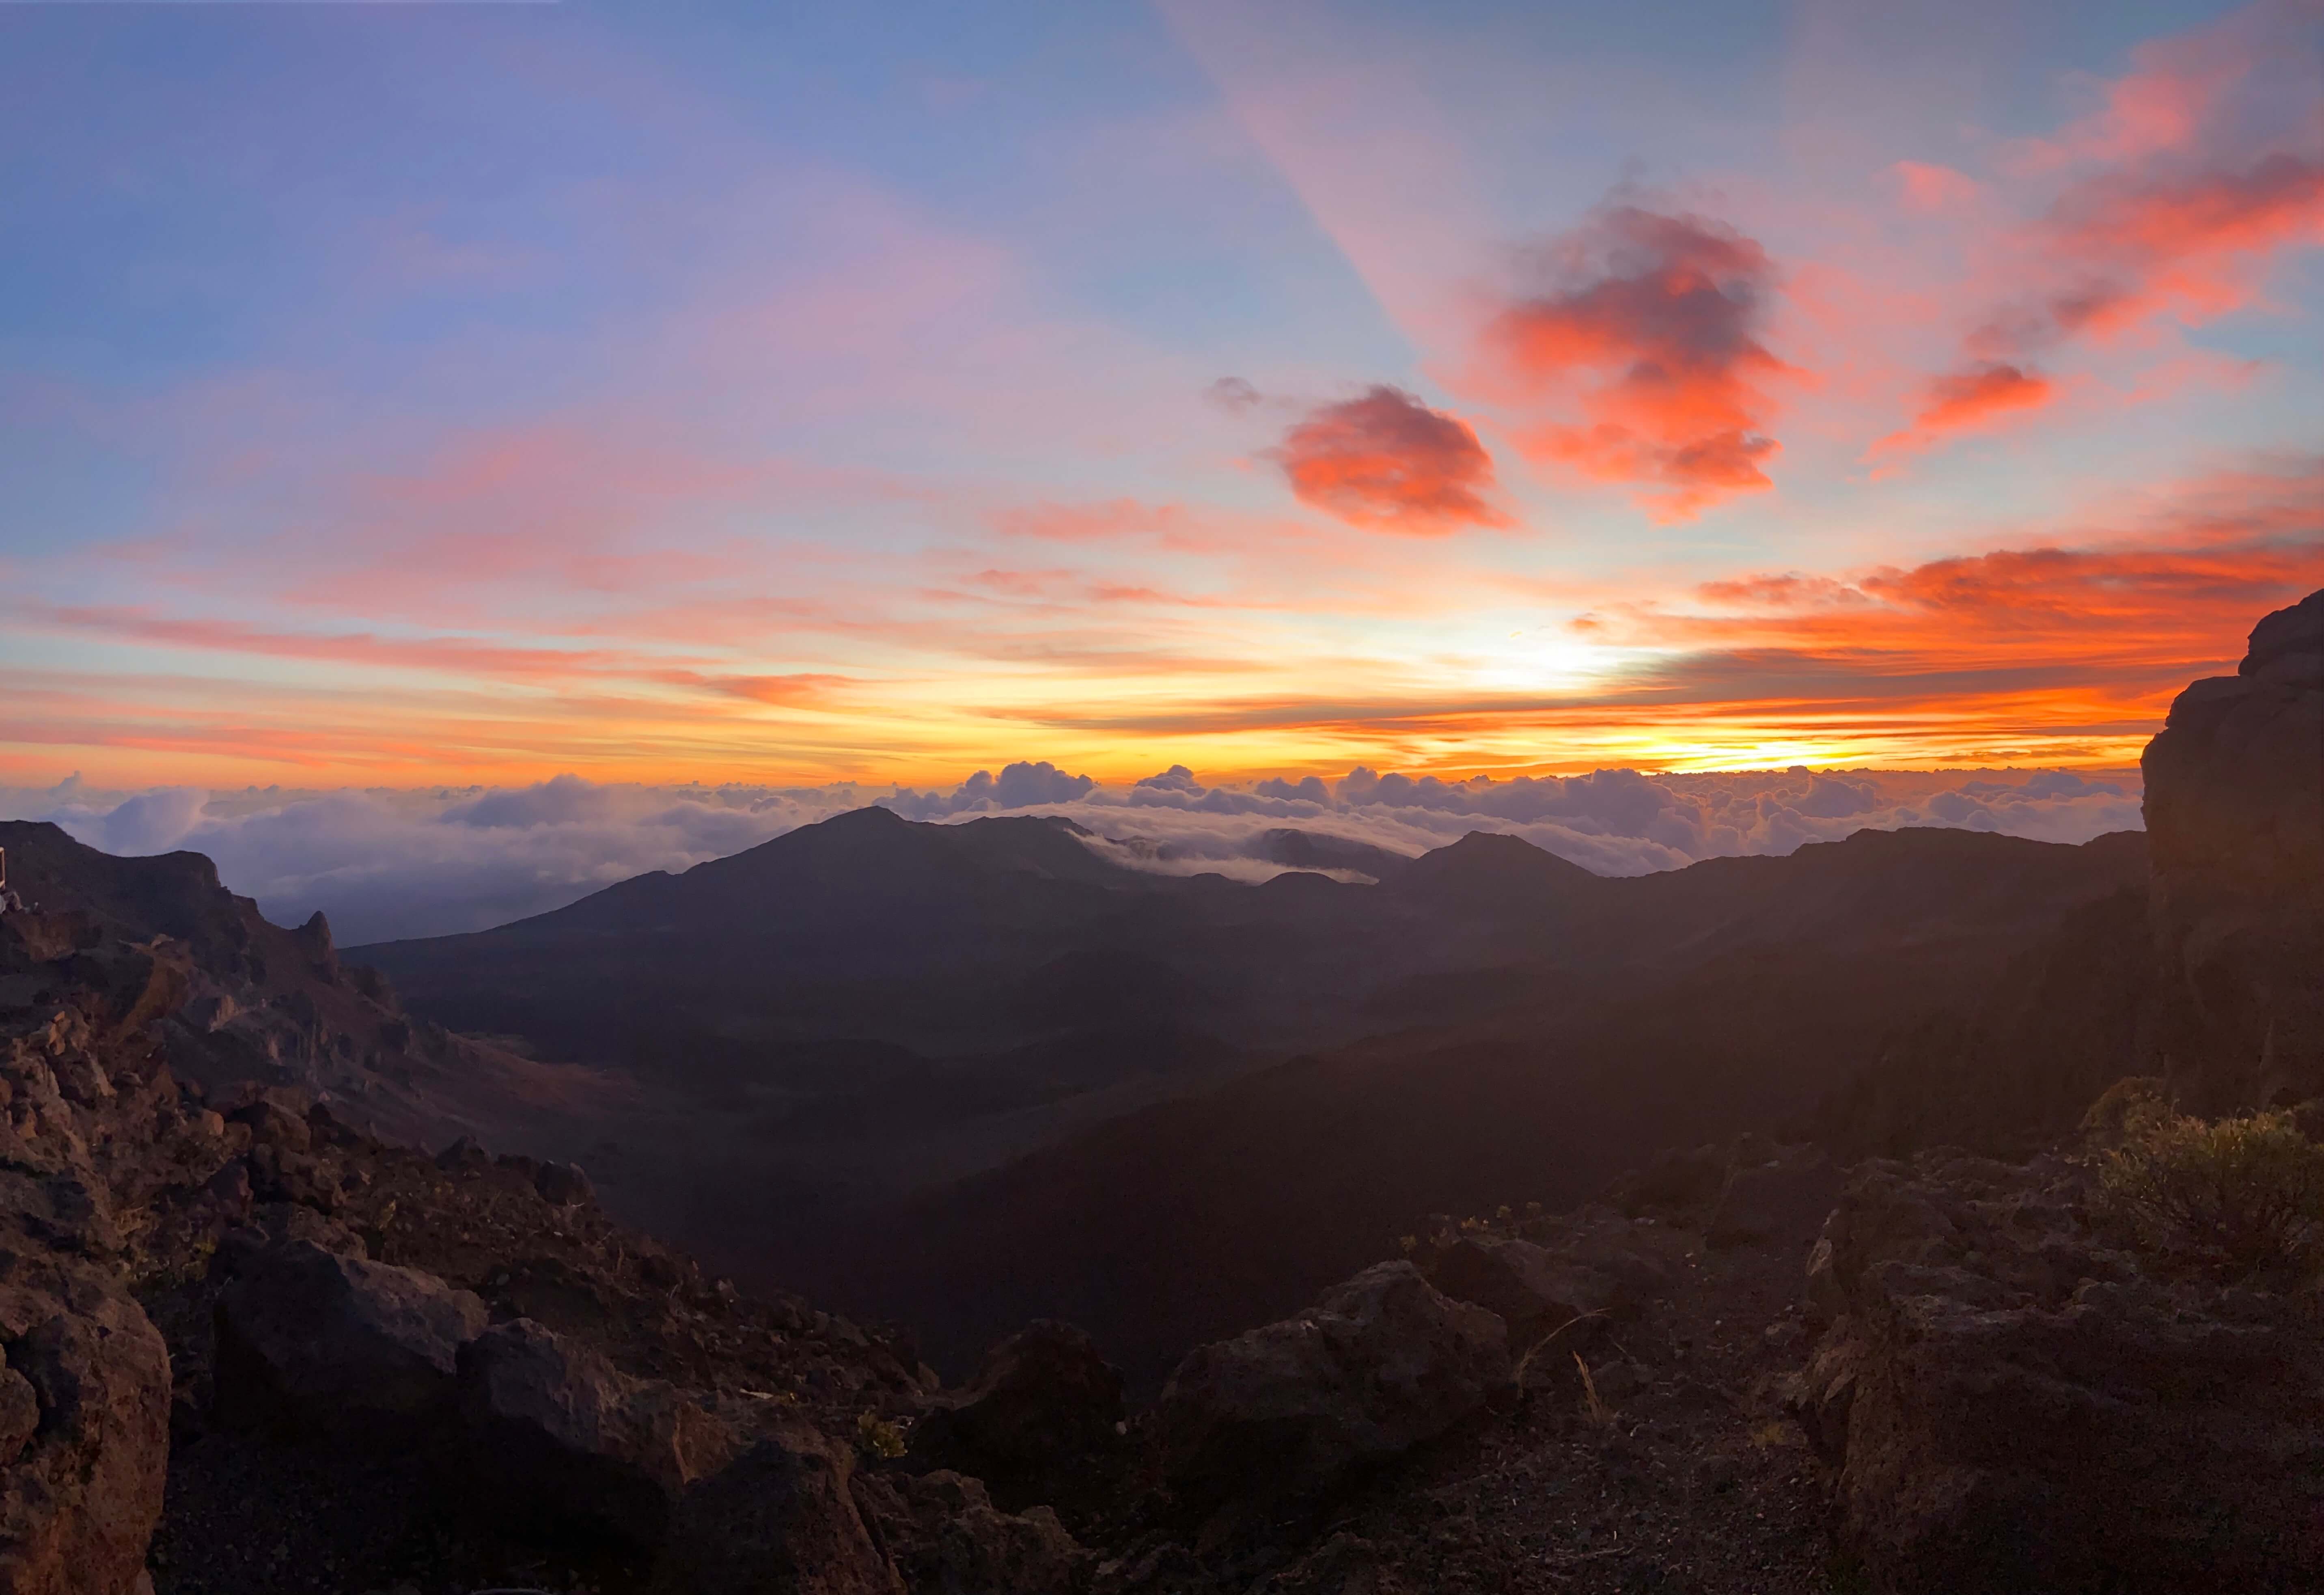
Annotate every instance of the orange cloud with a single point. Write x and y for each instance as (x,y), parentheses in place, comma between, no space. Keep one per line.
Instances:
(1387,462)
(2151,605)
(1961,399)
(1649,325)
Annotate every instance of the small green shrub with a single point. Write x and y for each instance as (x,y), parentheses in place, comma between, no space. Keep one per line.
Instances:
(2239,1197)
(875,1436)
(2124,1108)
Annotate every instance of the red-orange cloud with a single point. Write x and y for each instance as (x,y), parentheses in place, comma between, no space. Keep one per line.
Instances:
(1387,462)
(1649,325)
(2093,613)
(1966,398)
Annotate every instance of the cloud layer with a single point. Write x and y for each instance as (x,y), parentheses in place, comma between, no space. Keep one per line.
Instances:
(385,865)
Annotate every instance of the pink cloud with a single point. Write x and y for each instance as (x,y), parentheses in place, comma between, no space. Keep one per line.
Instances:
(2172,202)
(1934,188)
(1386,462)
(1649,325)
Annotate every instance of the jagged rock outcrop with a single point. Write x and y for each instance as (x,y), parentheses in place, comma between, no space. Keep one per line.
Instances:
(295,1275)
(2234,814)
(236,1001)
(1288,1412)
(2013,1401)
(571,1444)
(2210,973)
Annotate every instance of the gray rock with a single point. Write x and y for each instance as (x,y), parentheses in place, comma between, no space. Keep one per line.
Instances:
(1289,1411)
(309,1341)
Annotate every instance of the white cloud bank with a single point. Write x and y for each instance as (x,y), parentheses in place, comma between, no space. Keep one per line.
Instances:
(390,863)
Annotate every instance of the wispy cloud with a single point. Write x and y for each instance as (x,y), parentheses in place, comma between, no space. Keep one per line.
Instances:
(2170,203)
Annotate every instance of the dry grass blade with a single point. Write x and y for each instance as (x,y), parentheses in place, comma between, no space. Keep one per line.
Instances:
(1593,1405)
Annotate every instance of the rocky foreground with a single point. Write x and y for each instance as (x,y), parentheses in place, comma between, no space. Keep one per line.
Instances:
(251,1348)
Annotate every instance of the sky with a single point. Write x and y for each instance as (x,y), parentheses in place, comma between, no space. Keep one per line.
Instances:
(429,399)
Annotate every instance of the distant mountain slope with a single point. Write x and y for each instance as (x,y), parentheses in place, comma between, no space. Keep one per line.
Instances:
(1489,1018)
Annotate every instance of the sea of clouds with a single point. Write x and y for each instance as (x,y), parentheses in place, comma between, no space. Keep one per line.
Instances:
(387,864)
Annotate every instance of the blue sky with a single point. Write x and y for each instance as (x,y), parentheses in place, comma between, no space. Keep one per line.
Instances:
(406,392)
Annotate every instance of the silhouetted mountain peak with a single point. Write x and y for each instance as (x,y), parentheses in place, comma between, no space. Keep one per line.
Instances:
(1489,872)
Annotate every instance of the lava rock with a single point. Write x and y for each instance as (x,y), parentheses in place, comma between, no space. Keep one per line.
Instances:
(1530,1287)
(85,1410)
(1291,1410)
(309,1341)
(779,1520)
(562,1184)
(271,1125)
(1785,1201)
(2234,805)
(1997,1427)
(554,1438)
(1043,1403)
(465,1153)
(944,1536)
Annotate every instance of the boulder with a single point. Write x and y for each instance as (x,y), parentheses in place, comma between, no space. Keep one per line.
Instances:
(1289,1411)
(271,1125)
(464,1153)
(944,1536)
(562,1184)
(2004,1419)
(554,1439)
(1043,1403)
(779,1520)
(311,1342)
(85,1418)
(1771,1202)
(1532,1289)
